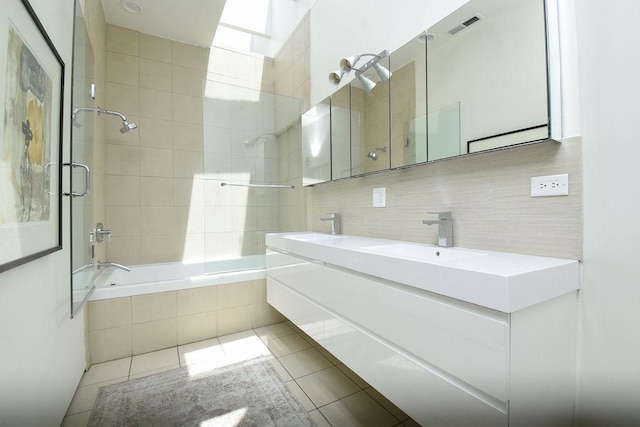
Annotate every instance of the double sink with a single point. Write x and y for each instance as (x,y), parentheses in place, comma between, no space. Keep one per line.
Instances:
(501,281)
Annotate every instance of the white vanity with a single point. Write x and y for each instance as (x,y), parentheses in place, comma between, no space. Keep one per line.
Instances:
(452,336)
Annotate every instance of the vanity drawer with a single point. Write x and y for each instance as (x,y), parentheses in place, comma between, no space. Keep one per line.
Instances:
(468,343)
(301,274)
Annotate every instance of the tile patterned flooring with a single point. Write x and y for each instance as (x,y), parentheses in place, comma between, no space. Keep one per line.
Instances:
(332,394)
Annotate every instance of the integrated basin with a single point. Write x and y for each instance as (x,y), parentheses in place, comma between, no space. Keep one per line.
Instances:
(498,280)
(422,253)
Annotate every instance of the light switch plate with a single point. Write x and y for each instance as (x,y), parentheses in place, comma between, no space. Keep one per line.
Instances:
(379,197)
(550,185)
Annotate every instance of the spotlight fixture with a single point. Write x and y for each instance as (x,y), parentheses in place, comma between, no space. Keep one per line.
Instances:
(348,64)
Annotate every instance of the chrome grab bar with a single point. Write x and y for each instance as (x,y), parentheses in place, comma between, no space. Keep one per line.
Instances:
(87,188)
(257,185)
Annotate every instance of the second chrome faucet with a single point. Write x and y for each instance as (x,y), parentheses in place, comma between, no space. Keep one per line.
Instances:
(445,228)
(334,217)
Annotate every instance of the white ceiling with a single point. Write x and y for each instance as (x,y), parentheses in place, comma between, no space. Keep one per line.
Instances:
(191,21)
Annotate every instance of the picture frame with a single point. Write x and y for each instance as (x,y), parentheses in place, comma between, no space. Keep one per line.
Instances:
(31,106)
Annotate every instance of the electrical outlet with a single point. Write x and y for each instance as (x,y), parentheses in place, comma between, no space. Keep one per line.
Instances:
(550,185)
(379,197)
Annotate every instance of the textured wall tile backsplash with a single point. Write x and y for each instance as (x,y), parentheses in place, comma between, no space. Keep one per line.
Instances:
(488,195)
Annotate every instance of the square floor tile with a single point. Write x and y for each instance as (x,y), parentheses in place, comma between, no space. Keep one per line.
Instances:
(243,346)
(319,419)
(387,404)
(201,351)
(155,371)
(307,404)
(85,396)
(326,353)
(77,420)
(286,345)
(304,362)
(357,410)
(274,331)
(154,361)
(327,386)
(101,372)
(353,376)
(280,370)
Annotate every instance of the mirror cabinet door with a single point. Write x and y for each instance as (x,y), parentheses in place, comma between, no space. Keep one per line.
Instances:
(340,134)
(370,148)
(408,85)
(487,77)
(316,144)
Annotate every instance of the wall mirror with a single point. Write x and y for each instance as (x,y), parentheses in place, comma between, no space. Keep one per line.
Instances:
(370,127)
(409,103)
(487,78)
(341,134)
(316,144)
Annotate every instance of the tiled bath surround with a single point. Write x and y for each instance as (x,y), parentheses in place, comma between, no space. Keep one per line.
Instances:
(122,327)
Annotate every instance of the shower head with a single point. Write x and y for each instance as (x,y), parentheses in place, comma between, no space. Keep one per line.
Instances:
(127,127)
(373,155)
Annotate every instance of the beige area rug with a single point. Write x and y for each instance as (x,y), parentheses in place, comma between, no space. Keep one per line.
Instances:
(246,394)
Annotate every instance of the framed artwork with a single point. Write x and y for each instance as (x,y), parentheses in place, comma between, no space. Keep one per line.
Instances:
(31,101)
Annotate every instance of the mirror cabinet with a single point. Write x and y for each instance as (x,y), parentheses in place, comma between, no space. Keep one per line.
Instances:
(482,78)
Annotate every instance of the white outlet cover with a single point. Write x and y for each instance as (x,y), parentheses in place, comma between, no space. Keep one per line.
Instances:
(550,185)
(379,197)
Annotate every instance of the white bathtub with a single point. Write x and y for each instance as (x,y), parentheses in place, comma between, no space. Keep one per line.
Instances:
(152,278)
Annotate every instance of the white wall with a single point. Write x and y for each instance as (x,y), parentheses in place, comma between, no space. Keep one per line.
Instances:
(344,28)
(42,352)
(609,66)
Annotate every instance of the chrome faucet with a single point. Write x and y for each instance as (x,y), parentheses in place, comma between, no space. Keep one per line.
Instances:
(101,264)
(445,228)
(334,217)
(100,234)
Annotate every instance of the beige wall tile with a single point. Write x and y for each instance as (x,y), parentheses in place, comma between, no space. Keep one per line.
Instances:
(155,48)
(197,327)
(155,133)
(157,221)
(188,81)
(235,294)
(188,136)
(124,250)
(123,190)
(156,162)
(123,220)
(187,55)
(234,320)
(156,335)
(187,109)
(109,313)
(156,75)
(188,164)
(147,308)
(189,247)
(124,99)
(123,69)
(197,300)
(263,315)
(156,191)
(188,192)
(155,249)
(189,219)
(123,159)
(122,40)
(110,344)
(156,104)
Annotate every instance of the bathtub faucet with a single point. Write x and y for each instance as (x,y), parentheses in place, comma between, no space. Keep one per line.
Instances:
(112,264)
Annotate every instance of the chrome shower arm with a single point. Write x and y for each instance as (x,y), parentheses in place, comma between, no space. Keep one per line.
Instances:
(111,112)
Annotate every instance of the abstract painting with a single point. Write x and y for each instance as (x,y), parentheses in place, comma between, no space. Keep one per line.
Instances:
(30,139)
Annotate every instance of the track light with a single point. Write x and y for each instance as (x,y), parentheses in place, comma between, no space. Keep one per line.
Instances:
(383,73)
(348,64)
(367,84)
(335,77)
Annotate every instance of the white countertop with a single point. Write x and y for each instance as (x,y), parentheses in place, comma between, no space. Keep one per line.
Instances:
(501,281)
